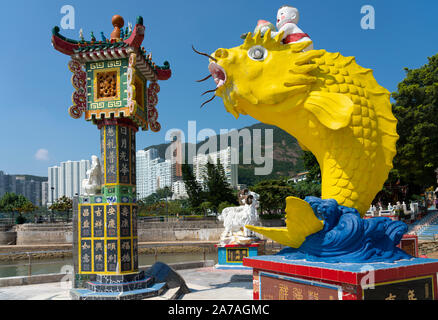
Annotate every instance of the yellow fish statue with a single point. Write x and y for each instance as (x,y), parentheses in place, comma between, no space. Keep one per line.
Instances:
(330,104)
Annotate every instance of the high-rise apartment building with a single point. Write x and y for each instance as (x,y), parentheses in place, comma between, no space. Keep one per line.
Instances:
(179,190)
(28,186)
(153,172)
(44,193)
(228,159)
(66,179)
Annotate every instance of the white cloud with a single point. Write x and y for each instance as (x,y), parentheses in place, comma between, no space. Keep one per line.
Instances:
(42,155)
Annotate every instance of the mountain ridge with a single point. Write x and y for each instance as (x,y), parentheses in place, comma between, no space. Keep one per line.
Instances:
(287,154)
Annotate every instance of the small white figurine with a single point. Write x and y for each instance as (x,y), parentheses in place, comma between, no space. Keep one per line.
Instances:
(92,185)
(235,219)
(287,20)
(405,209)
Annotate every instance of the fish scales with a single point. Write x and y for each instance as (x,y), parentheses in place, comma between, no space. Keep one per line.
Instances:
(330,104)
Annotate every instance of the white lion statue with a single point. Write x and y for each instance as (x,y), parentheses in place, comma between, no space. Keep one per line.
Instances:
(235,218)
(92,185)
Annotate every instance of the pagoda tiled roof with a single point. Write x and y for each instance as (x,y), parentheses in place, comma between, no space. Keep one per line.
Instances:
(107,49)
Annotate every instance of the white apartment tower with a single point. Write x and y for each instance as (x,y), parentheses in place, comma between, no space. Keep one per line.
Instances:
(44,193)
(66,179)
(228,160)
(153,172)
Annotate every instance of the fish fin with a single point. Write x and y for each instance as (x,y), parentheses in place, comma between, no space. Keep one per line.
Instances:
(280,235)
(300,221)
(333,110)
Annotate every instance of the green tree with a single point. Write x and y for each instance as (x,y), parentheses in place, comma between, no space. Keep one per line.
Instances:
(175,207)
(306,188)
(273,194)
(217,186)
(312,166)
(205,206)
(164,193)
(151,199)
(63,205)
(416,108)
(15,203)
(194,189)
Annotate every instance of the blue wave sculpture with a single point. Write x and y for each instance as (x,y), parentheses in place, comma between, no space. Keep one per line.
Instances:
(347,238)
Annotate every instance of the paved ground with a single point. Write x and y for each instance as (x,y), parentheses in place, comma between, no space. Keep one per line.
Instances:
(214,284)
(47,291)
(204,283)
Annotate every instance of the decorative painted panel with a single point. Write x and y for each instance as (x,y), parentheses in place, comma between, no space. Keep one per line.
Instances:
(112,256)
(110,154)
(99,255)
(277,287)
(126,254)
(133,159)
(125,221)
(409,289)
(111,221)
(106,84)
(85,256)
(98,221)
(124,154)
(85,220)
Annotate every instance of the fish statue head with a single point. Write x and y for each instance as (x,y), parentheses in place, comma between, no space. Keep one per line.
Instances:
(262,73)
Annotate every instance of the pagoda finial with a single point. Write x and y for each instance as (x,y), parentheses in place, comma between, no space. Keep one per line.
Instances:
(118,23)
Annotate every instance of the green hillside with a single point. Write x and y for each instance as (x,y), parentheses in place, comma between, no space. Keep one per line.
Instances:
(286,155)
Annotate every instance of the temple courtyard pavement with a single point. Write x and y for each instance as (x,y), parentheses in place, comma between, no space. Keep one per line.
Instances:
(205,283)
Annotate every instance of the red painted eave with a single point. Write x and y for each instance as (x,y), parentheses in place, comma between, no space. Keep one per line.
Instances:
(136,37)
(163,74)
(63,46)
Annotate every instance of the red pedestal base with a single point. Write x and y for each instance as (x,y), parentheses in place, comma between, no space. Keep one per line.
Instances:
(276,278)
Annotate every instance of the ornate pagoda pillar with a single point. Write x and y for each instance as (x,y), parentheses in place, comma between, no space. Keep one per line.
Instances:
(107,223)
(116,89)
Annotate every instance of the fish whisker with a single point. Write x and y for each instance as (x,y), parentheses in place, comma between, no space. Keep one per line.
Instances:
(213,90)
(208,101)
(204,78)
(203,54)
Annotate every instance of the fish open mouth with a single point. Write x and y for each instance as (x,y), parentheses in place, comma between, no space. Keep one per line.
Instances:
(218,73)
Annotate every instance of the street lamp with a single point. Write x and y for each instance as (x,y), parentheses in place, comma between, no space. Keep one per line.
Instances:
(166,190)
(68,214)
(52,188)
(51,210)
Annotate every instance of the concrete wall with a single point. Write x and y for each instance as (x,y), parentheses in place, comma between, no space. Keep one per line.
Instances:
(165,234)
(8,237)
(427,247)
(55,233)
(59,233)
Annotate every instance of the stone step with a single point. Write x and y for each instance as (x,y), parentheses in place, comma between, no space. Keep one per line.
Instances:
(86,294)
(170,294)
(98,286)
(120,278)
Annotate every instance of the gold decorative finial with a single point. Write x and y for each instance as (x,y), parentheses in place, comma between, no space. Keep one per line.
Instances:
(118,23)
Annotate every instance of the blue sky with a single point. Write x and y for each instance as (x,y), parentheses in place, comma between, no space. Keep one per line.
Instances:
(35,82)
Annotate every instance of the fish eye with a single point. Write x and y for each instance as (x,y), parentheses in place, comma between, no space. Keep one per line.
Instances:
(257,53)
